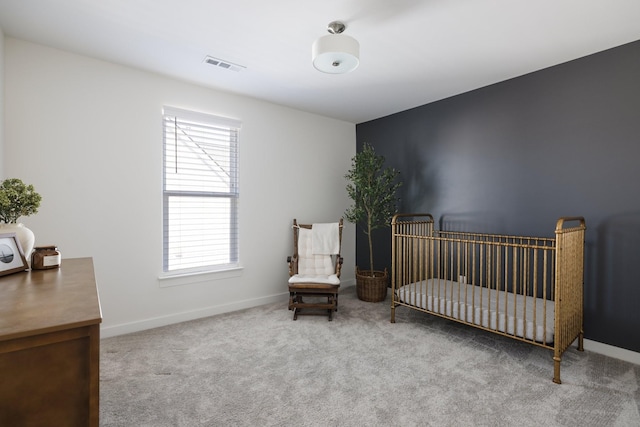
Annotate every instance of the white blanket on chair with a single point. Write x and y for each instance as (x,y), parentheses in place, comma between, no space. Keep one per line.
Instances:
(325,239)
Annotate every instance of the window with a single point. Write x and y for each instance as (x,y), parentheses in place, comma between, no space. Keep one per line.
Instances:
(200,192)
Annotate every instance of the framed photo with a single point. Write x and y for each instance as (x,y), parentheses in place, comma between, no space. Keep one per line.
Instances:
(12,258)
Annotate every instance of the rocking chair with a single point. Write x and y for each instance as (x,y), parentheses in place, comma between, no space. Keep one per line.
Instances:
(314,269)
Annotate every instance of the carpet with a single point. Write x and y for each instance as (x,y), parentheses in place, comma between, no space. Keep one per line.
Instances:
(257,367)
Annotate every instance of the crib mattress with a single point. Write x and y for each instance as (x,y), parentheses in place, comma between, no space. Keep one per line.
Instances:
(523,316)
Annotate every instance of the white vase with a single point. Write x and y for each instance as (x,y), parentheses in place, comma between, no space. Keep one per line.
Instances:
(25,237)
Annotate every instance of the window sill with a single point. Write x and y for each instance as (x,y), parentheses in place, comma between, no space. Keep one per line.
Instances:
(167,279)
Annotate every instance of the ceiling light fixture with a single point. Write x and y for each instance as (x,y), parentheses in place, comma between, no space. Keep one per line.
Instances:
(336,53)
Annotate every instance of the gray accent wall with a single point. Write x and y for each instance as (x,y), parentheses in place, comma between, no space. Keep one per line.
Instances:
(515,156)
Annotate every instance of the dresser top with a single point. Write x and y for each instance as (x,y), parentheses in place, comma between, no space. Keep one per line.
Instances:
(42,301)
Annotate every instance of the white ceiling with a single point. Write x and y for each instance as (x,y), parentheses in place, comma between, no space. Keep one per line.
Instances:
(412,52)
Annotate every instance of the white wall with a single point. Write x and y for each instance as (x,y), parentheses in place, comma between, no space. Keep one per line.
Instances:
(88,135)
(1,104)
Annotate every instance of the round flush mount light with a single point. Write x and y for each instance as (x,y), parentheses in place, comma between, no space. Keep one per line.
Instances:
(336,53)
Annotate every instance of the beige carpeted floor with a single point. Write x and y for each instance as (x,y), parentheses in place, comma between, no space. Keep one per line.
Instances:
(257,367)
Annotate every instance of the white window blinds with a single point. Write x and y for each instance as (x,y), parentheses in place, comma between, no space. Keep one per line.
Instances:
(200,189)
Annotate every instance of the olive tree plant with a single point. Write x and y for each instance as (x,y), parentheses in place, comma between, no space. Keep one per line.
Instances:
(372,189)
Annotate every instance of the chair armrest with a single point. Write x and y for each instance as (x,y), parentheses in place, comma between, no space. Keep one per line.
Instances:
(339,262)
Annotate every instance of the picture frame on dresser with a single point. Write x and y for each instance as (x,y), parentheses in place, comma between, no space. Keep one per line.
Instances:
(12,259)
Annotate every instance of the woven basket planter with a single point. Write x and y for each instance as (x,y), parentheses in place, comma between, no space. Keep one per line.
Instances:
(372,289)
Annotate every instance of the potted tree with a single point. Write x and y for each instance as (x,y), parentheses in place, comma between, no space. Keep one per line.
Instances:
(372,189)
(16,200)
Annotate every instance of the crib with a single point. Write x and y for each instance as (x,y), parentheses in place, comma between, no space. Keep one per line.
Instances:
(526,288)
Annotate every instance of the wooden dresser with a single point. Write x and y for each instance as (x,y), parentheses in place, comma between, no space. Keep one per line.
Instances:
(49,346)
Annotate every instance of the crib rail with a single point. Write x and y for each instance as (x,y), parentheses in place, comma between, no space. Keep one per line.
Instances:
(527,288)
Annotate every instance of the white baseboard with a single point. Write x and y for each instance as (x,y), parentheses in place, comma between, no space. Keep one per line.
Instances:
(156,322)
(612,351)
(127,328)
(347,283)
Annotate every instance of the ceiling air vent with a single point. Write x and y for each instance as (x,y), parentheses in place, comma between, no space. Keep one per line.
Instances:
(223,64)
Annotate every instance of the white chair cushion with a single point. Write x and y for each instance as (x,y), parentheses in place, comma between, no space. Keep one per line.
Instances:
(315,278)
(308,263)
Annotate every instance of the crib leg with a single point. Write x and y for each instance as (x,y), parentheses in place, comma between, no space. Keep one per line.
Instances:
(556,369)
(393,313)
(581,341)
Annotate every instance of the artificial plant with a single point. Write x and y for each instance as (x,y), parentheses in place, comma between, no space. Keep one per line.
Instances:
(372,189)
(17,199)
